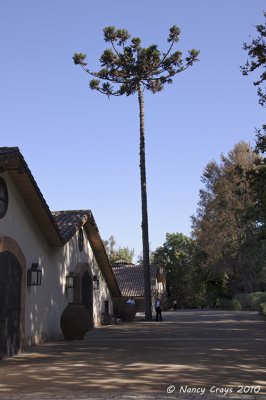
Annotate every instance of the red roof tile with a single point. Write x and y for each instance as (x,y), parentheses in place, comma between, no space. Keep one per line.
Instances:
(69,222)
(130,278)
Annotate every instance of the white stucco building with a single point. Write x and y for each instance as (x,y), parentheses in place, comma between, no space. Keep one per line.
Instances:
(55,243)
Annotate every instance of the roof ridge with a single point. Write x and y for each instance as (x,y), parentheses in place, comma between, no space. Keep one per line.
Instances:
(84,211)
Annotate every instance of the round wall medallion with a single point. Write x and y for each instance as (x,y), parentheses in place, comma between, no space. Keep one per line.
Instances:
(3,198)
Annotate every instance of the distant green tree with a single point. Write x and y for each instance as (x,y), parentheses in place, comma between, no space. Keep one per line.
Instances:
(109,245)
(257,60)
(115,254)
(128,68)
(123,253)
(179,255)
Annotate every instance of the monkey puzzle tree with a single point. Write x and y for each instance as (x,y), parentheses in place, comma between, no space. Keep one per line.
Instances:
(126,69)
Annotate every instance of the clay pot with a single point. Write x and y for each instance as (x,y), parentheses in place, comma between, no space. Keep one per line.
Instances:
(74,321)
(128,312)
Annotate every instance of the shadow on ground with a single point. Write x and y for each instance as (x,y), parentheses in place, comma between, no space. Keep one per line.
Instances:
(193,348)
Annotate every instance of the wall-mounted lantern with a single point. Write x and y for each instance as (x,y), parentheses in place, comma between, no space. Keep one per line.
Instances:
(95,282)
(34,275)
(70,280)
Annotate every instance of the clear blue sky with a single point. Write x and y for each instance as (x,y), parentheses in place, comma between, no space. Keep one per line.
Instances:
(83,148)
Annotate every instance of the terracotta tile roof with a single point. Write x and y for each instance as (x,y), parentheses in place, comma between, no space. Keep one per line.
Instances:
(130,279)
(69,222)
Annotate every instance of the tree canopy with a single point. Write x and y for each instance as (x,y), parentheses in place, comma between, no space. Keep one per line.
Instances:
(224,227)
(126,64)
(179,255)
(256,50)
(257,177)
(227,252)
(118,253)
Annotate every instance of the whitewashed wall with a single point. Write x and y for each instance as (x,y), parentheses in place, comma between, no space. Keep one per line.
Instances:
(45,303)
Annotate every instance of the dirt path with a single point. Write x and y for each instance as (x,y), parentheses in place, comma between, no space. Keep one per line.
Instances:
(205,352)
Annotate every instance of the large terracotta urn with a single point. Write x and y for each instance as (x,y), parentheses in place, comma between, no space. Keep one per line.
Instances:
(74,321)
(128,312)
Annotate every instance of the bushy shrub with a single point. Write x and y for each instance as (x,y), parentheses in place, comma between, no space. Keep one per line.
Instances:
(255,299)
(262,309)
(243,300)
(251,301)
(230,304)
(236,305)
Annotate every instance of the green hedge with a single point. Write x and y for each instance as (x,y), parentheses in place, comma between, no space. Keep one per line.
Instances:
(244,301)
(251,301)
(230,304)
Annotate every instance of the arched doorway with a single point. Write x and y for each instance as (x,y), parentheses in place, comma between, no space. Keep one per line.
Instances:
(10,304)
(87,295)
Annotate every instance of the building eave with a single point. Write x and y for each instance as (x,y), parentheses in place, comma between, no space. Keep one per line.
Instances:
(100,255)
(12,162)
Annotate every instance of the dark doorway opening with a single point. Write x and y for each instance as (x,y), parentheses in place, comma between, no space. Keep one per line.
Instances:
(10,299)
(87,295)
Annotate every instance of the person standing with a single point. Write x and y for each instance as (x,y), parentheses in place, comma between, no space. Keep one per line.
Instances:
(175,305)
(158,309)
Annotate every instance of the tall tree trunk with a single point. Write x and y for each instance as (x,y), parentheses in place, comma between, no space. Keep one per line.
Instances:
(144,225)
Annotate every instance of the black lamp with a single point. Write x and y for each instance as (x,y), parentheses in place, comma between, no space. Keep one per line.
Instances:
(95,282)
(34,275)
(70,280)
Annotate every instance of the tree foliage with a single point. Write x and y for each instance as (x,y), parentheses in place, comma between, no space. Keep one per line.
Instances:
(126,64)
(256,50)
(118,253)
(224,227)
(227,252)
(180,256)
(257,177)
